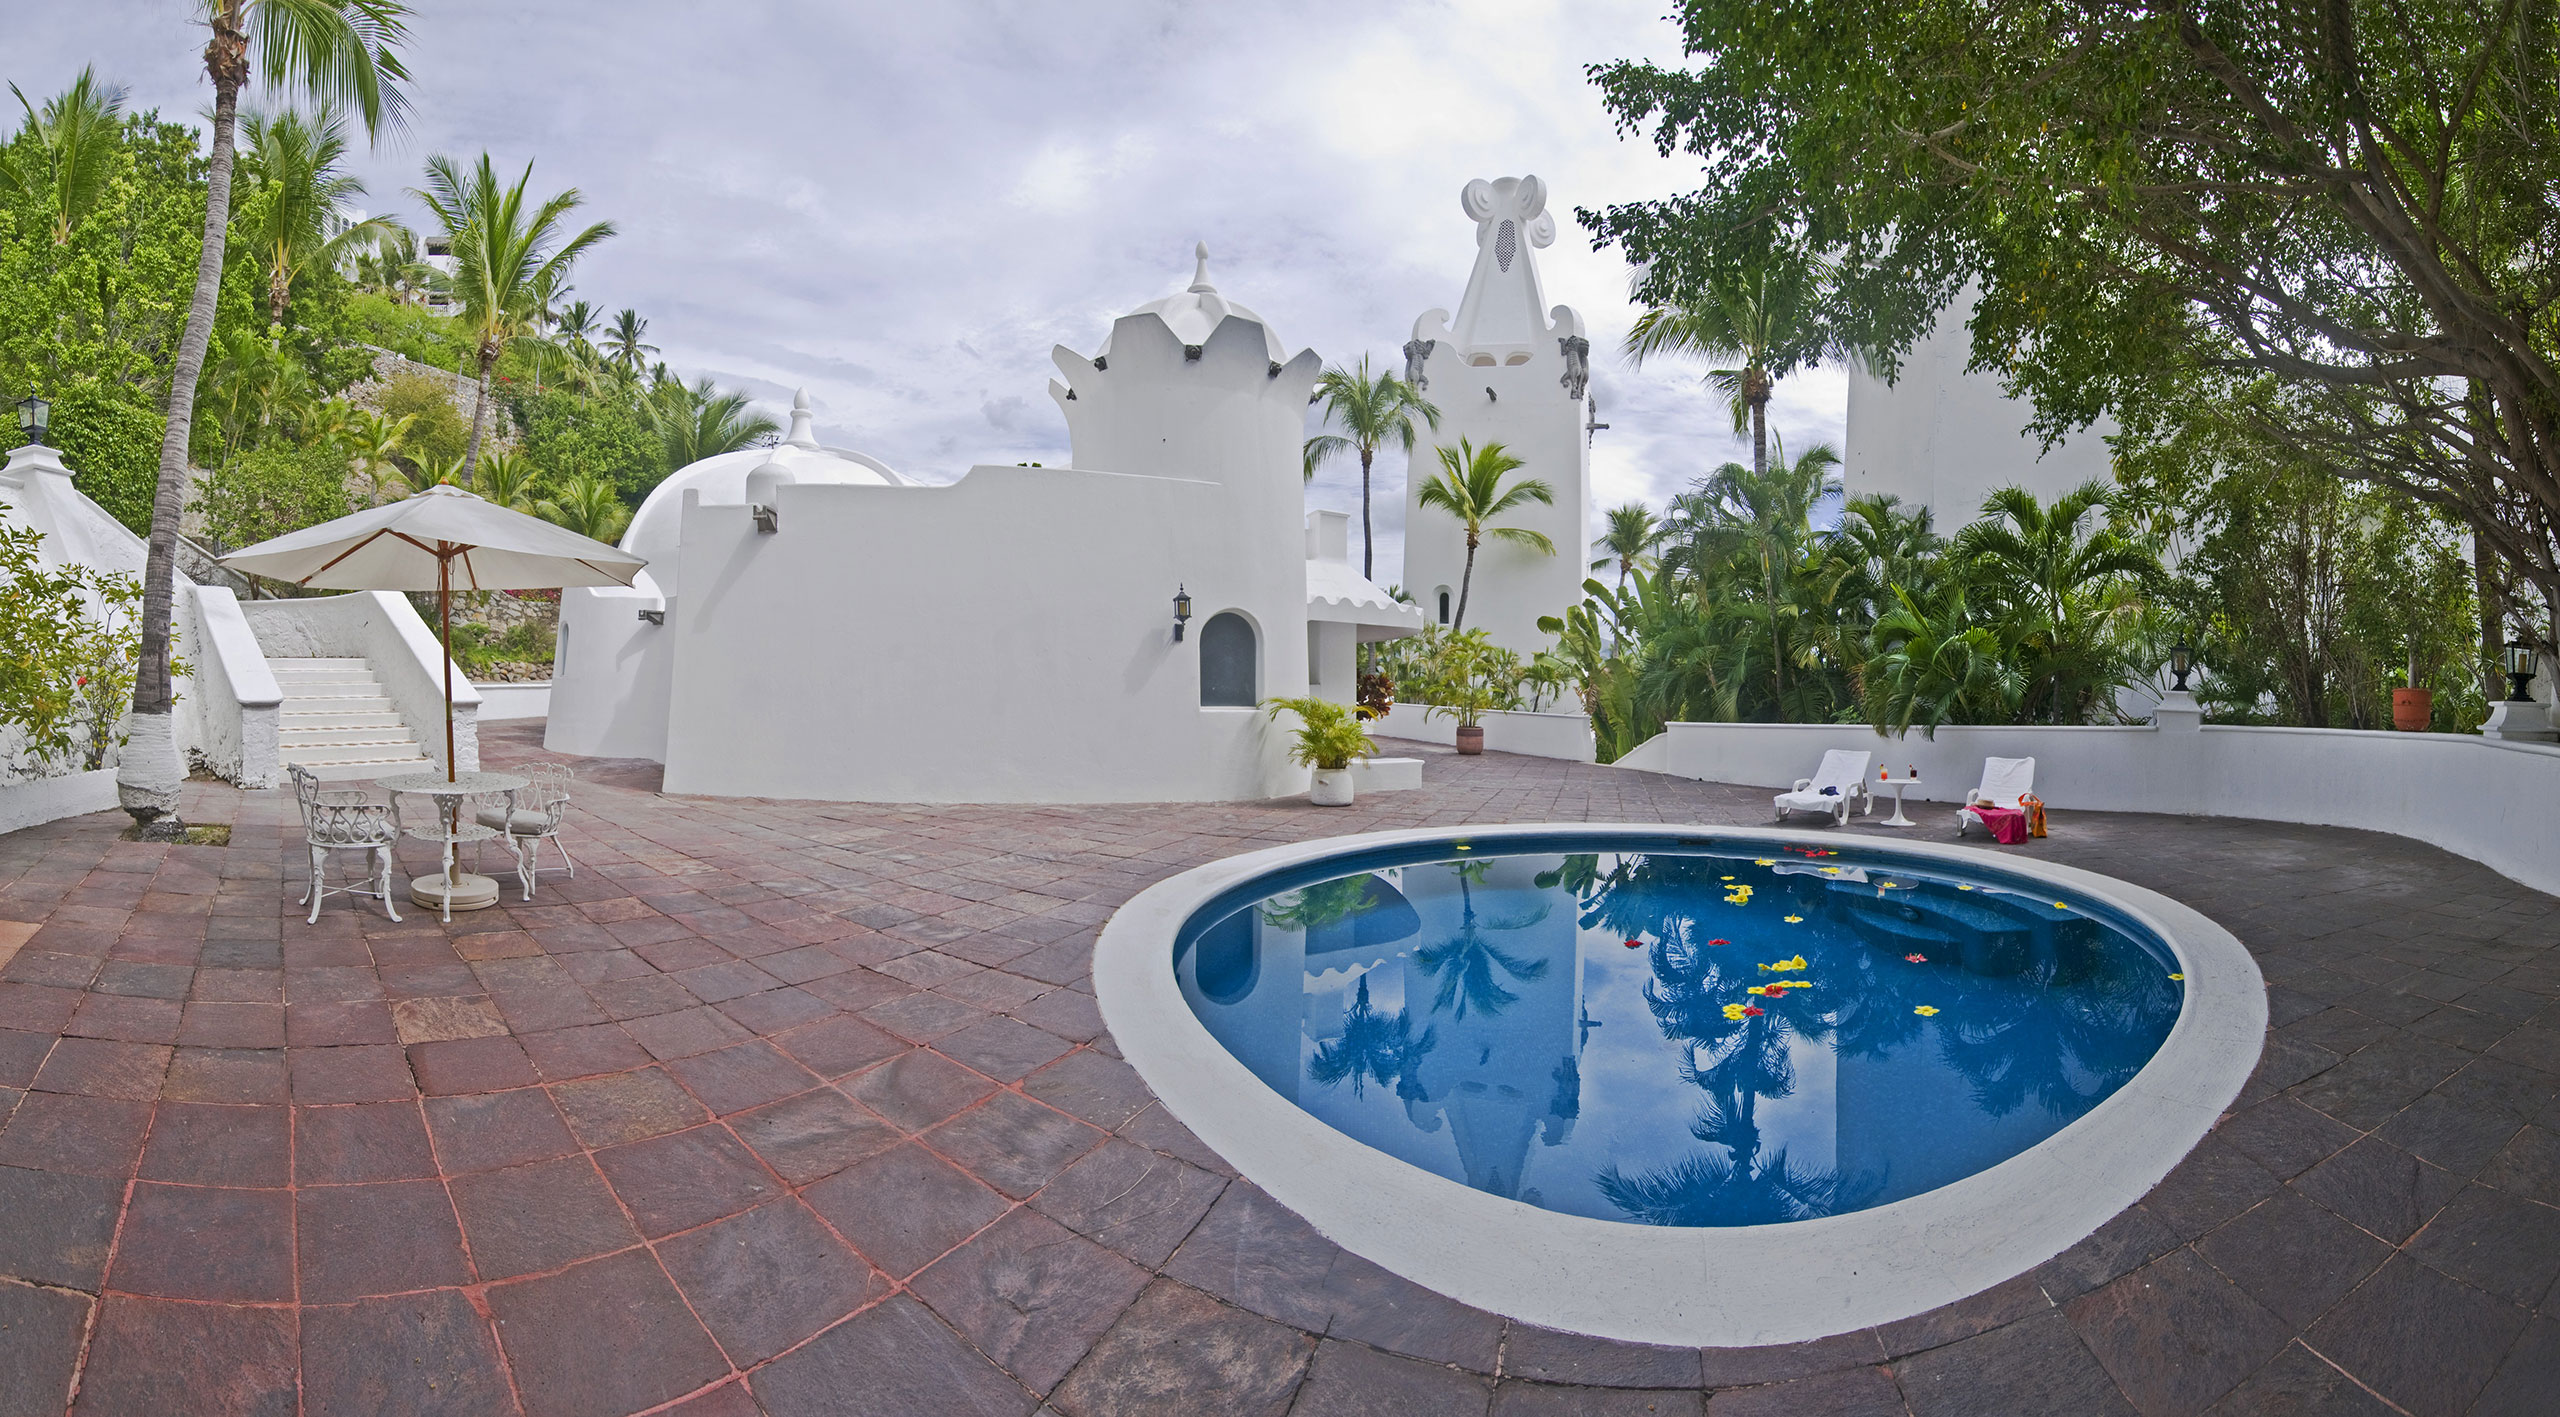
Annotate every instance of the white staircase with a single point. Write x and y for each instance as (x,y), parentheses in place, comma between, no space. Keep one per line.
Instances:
(336,721)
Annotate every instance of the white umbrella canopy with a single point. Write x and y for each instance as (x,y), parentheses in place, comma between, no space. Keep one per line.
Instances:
(441,539)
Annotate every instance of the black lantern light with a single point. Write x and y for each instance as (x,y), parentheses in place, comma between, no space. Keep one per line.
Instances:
(2519,670)
(2182,662)
(35,417)
(1181,611)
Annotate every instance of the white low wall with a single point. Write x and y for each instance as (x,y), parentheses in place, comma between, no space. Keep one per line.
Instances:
(2493,802)
(504,701)
(237,696)
(50,799)
(381,628)
(1537,735)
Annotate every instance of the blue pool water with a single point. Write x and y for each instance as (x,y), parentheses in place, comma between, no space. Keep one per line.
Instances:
(1683,1031)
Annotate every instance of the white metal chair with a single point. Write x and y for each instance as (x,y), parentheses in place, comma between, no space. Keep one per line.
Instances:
(2004,781)
(452,822)
(1840,780)
(540,806)
(344,819)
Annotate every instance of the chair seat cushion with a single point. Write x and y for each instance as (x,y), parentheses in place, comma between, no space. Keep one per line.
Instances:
(515,823)
(1811,801)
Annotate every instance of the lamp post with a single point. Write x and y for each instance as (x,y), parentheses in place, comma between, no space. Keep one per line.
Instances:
(2181,664)
(35,417)
(2519,671)
(1181,611)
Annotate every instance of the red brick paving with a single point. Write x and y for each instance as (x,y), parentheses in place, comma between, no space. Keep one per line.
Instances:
(806,1108)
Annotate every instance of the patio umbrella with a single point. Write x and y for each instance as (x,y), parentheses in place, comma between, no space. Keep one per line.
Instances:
(442,539)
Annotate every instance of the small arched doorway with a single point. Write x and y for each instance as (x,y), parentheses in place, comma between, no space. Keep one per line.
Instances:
(1229,662)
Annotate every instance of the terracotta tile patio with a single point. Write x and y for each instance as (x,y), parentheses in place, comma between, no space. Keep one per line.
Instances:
(803,1108)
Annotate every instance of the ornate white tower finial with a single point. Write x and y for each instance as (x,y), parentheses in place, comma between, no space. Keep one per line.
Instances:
(1200,273)
(803,425)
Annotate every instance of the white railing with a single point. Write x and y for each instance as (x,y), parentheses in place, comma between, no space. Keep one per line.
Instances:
(237,696)
(2494,802)
(382,629)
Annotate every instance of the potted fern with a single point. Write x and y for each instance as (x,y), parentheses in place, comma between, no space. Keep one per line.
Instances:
(1328,739)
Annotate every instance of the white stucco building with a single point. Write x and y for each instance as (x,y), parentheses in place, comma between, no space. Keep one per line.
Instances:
(813,625)
(1507,369)
(1943,438)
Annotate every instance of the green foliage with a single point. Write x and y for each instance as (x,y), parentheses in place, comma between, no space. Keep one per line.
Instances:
(409,330)
(605,435)
(479,650)
(1470,488)
(1327,737)
(588,506)
(1460,674)
(273,489)
(435,433)
(111,442)
(696,421)
(68,648)
(1369,410)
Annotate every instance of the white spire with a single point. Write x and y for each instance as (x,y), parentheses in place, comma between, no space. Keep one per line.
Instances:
(803,425)
(1200,272)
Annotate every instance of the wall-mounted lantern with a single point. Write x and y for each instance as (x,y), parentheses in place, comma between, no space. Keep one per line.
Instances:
(2182,662)
(2519,670)
(654,617)
(1181,612)
(35,417)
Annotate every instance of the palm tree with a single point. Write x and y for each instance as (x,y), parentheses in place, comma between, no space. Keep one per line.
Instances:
(1373,1046)
(1765,320)
(74,153)
(2065,583)
(1469,488)
(1928,664)
(626,340)
(1743,540)
(1371,410)
(392,266)
(509,260)
(587,505)
(506,478)
(701,421)
(1465,962)
(574,326)
(336,52)
(1633,532)
(295,164)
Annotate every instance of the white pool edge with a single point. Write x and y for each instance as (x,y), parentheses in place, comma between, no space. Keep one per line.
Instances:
(1694,1287)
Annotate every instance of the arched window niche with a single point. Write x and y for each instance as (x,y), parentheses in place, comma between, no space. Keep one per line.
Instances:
(1230,662)
(1446,600)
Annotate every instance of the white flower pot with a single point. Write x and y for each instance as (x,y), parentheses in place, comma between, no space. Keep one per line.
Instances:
(1333,787)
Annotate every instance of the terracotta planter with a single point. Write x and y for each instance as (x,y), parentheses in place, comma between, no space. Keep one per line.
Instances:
(1332,788)
(1471,740)
(2412,709)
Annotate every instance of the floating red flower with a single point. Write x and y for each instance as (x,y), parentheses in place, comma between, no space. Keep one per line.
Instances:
(1917,959)
(1753,1009)
(1719,942)
(1635,944)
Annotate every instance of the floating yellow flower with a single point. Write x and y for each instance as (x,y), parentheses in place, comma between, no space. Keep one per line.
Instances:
(2062,905)
(1786,964)
(1764,861)
(2177,976)
(1925,1011)
(1964,888)
(1733,1013)
(1724,878)
(1760,991)
(1795,919)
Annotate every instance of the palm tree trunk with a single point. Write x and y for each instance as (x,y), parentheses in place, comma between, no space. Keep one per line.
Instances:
(147,777)
(1466,582)
(1755,389)
(479,417)
(1368,549)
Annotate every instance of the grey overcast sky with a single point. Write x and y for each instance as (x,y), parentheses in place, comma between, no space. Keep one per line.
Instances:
(903,206)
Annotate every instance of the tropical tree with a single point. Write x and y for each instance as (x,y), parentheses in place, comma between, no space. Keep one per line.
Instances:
(700,420)
(1929,665)
(300,221)
(626,342)
(1764,318)
(335,52)
(1372,410)
(509,260)
(1466,962)
(1743,541)
(390,265)
(505,478)
(587,505)
(2065,585)
(1373,1047)
(76,135)
(1470,488)
(1633,533)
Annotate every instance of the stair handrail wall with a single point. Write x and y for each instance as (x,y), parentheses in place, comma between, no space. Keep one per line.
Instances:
(238,699)
(383,629)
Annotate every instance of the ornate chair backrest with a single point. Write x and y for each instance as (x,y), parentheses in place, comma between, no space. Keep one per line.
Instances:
(547,794)
(341,816)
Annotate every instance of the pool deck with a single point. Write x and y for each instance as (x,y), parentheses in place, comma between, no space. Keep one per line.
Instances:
(806,1108)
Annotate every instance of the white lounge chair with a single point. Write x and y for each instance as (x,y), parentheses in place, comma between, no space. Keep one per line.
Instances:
(2004,781)
(1844,773)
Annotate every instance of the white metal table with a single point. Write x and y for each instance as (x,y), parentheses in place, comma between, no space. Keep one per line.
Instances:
(1899,785)
(455,889)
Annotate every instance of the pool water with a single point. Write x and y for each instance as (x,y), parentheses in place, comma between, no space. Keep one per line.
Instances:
(1690,1031)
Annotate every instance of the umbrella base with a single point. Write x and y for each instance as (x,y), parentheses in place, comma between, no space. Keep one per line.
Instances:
(470,891)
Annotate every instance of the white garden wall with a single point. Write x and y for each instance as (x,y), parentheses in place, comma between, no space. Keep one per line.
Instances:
(2493,802)
(40,800)
(1537,735)
(236,698)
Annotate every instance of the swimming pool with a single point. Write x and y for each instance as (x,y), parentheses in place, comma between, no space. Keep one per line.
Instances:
(1843,1086)
(1679,1032)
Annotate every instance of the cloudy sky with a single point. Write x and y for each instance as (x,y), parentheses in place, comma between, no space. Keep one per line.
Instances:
(903,206)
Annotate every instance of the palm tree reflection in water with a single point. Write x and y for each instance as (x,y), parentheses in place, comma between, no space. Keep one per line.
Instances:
(1374,1046)
(1465,962)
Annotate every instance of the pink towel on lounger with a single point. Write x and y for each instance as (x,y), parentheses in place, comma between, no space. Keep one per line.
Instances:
(2008,826)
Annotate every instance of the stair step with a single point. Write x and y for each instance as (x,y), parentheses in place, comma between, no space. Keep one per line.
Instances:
(289,720)
(391,740)
(368,770)
(313,754)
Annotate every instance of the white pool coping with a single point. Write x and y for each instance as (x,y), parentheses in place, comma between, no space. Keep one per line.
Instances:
(1726,1287)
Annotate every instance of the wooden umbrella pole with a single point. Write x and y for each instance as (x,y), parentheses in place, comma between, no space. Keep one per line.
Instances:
(444,621)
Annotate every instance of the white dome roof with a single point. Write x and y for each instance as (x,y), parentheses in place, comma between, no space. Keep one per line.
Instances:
(722,479)
(1195,313)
